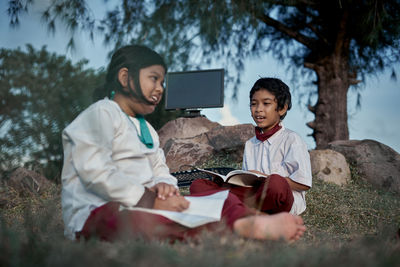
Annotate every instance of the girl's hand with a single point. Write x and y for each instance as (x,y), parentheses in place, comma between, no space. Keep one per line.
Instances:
(173,203)
(165,191)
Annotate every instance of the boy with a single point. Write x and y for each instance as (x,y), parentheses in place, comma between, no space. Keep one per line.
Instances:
(277,151)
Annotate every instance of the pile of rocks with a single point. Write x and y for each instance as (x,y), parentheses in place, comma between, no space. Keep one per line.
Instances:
(194,141)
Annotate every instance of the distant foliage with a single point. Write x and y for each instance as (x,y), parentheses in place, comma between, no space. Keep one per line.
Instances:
(40,93)
(330,45)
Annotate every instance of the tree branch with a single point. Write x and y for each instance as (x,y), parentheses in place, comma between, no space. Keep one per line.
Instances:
(310,65)
(354,81)
(295,3)
(318,33)
(309,42)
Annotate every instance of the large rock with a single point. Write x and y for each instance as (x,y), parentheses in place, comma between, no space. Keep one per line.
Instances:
(194,141)
(181,153)
(375,162)
(185,128)
(27,182)
(226,137)
(230,139)
(330,166)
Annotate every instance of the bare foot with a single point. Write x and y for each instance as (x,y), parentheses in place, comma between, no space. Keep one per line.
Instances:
(273,227)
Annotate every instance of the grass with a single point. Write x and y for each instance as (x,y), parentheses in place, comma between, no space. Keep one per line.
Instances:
(353,225)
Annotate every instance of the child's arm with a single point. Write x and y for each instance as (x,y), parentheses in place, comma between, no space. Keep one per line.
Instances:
(293,185)
(160,169)
(296,186)
(297,163)
(88,147)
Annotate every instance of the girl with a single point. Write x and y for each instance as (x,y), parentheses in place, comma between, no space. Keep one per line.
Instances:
(112,161)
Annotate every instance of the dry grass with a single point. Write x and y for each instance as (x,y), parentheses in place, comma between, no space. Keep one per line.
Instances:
(347,225)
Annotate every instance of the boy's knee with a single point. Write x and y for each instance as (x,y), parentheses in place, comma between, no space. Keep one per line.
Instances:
(277,183)
(280,193)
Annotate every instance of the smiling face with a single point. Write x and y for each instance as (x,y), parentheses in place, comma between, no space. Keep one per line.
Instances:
(264,109)
(152,83)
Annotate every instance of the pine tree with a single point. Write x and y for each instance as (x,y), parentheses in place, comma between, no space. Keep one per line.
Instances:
(40,94)
(338,42)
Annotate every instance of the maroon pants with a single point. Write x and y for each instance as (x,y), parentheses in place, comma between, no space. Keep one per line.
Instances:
(272,196)
(108,223)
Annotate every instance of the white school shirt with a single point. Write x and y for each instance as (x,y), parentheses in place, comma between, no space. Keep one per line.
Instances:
(284,153)
(104,160)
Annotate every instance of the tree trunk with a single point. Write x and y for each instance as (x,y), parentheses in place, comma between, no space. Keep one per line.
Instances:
(330,111)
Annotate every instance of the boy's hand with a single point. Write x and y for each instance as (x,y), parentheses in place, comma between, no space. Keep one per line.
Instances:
(165,191)
(173,203)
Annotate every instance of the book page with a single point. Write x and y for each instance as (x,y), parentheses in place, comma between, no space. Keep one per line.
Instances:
(215,175)
(238,177)
(249,173)
(245,180)
(202,210)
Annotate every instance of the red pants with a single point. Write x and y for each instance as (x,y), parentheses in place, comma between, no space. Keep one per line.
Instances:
(276,198)
(108,223)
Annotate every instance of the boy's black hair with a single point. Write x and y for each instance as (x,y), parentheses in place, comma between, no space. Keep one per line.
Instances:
(276,87)
(134,58)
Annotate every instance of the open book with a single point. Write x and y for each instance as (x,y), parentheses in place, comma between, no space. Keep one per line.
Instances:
(237,177)
(202,210)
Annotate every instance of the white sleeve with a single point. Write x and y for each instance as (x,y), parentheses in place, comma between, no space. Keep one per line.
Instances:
(158,163)
(160,169)
(297,162)
(91,140)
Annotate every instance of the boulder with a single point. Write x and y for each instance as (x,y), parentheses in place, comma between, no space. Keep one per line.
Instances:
(4,198)
(376,163)
(194,141)
(330,166)
(225,137)
(27,183)
(182,153)
(185,128)
(230,139)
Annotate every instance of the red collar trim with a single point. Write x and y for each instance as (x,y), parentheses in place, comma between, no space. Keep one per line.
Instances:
(264,136)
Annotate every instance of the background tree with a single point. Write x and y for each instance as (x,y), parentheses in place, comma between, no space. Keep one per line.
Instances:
(40,94)
(338,42)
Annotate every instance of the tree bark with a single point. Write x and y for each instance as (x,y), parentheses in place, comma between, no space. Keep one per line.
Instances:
(330,111)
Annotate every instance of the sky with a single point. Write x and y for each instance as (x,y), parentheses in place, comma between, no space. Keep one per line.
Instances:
(378,118)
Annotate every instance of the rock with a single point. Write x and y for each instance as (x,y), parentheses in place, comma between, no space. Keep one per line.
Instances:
(225,137)
(182,153)
(230,139)
(375,162)
(26,182)
(185,128)
(194,141)
(3,195)
(330,166)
